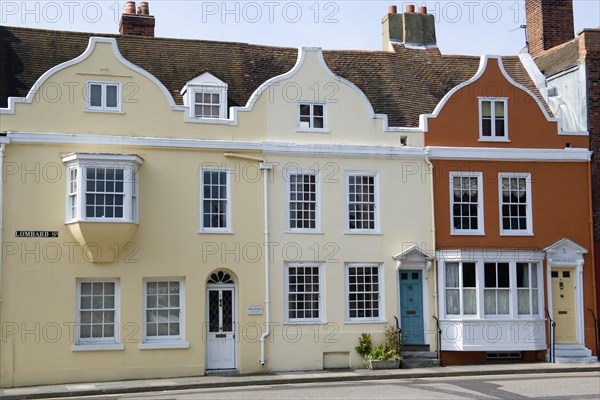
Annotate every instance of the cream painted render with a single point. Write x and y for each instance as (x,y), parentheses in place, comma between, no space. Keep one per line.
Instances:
(39,276)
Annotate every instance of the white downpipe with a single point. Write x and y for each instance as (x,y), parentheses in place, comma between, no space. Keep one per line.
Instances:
(2,147)
(433,233)
(266,167)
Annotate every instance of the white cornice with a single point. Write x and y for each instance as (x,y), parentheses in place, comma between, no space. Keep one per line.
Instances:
(490,255)
(498,154)
(301,149)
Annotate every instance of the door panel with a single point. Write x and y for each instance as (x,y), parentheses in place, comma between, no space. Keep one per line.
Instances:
(411,306)
(563,304)
(220,344)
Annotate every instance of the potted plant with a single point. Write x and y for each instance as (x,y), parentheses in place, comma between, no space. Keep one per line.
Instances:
(386,355)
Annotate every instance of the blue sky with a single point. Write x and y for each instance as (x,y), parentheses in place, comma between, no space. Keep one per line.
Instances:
(462,27)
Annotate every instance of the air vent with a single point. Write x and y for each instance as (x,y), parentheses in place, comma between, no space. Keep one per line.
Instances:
(513,355)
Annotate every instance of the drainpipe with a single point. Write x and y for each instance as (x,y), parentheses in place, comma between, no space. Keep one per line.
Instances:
(435,266)
(266,167)
(2,147)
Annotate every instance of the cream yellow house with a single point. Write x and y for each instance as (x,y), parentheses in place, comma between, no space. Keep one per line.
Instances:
(156,239)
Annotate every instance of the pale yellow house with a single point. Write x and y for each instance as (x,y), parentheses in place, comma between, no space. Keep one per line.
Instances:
(161,239)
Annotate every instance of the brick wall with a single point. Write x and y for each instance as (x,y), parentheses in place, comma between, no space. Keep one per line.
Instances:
(135,24)
(549,24)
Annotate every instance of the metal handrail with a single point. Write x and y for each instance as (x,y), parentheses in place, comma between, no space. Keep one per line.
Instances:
(439,337)
(596,331)
(552,329)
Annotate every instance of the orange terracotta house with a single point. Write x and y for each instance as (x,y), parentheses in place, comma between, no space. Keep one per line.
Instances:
(513,227)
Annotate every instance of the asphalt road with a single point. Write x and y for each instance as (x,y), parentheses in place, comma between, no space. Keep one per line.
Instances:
(531,386)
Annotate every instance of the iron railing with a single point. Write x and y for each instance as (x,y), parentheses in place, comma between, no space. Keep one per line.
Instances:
(551,327)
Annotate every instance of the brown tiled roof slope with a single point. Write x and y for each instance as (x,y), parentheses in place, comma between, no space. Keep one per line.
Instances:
(559,59)
(401,84)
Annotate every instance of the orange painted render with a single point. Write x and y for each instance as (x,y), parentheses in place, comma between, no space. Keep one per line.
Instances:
(457,124)
(560,191)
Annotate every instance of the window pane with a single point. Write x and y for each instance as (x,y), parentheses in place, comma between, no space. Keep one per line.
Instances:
(469,278)
(452,280)
(470,301)
(523,301)
(111,96)
(486,108)
(499,109)
(452,301)
(95,95)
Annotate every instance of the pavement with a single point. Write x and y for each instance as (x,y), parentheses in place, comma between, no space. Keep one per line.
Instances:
(280,378)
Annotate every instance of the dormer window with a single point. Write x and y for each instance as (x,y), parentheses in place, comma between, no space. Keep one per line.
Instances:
(103,96)
(493,121)
(206,97)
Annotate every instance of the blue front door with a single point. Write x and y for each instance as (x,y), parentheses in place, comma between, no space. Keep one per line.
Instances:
(411,307)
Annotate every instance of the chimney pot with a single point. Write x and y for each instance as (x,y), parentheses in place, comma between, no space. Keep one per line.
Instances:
(130,7)
(423,10)
(410,8)
(144,8)
(392,10)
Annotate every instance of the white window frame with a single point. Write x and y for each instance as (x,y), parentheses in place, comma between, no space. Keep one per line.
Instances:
(103,107)
(81,162)
(375,176)
(539,288)
(479,258)
(169,341)
(85,344)
(205,83)
(529,208)
(495,289)
(311,128)
(288,174)
(286,275)
(493,137)
(228,218)
(443,285)
(381,292)
(209,89)
(480,211)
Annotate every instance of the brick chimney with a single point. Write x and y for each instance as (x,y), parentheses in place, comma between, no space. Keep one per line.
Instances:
(411,28)
(549,24)
(138,24)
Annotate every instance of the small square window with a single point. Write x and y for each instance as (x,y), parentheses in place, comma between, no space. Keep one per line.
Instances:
(104,96)
(311,116)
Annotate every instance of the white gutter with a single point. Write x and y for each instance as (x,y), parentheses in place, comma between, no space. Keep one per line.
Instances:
(266,167)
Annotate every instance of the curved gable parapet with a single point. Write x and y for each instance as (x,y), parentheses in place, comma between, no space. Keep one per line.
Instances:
(302,53)
(483,65)
(12,101)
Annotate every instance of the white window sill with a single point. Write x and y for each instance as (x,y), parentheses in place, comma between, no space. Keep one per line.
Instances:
(306,232)
(366,321)
(164,345)
(362,232)
(516,233)
(218,231)
(105,111)
(308,130)
(493,139)
(98,347)
(467,233)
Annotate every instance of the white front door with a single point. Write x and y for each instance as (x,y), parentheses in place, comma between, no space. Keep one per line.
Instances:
(220,343)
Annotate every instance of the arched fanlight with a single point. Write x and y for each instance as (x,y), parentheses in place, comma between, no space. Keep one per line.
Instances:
(220,277)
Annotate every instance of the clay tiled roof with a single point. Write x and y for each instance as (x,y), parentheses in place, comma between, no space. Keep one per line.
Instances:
(559,59)
(402,84)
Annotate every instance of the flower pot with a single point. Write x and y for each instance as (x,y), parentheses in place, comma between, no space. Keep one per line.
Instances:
(384,364)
